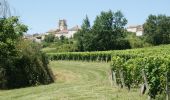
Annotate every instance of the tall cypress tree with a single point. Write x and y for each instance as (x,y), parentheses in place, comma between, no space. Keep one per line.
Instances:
(82,34)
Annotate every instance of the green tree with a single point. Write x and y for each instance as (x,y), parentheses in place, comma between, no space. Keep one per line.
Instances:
(63,39)
(82,35)
(102,31)
(108,31)
(49,38)
(157,29)
(10,32)
(20,65)
(136,41)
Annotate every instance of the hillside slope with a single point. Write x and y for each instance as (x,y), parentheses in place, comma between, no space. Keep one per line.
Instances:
(75,81)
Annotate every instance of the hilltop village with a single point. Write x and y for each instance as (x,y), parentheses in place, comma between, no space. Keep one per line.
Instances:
(63,30)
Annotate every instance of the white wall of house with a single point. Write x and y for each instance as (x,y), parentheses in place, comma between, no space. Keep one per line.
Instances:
(67,35)
(59,35)
(136,29)
(71,33)
(37,40)
(139,33)
(42,37)
(132,29)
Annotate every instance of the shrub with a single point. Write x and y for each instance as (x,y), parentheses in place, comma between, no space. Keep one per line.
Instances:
(21,62)
(30,68)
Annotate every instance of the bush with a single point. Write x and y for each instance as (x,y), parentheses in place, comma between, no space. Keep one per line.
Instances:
(122,44)
(21,62)
(136,41)
(49,38)
(30,68)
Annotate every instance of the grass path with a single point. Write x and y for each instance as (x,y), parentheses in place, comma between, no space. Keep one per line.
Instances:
(75,81)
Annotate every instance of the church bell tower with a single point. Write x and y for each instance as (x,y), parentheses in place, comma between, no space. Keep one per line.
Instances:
(62,25)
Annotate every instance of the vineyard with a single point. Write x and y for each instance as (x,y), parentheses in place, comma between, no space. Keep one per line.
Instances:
(82,56)
(107,55)
(149,67)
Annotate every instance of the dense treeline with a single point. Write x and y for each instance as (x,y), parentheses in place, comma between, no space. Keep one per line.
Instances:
(157,29)
(21,62)
(108,33)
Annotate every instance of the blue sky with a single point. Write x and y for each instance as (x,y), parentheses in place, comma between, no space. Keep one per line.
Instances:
(42,15)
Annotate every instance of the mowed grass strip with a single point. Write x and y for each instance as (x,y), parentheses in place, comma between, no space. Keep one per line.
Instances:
(75,81)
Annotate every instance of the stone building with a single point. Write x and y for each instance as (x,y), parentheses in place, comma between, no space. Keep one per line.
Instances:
(63,30)
(35,37)
(138,29)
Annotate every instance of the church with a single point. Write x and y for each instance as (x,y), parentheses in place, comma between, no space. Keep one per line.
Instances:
(63,30)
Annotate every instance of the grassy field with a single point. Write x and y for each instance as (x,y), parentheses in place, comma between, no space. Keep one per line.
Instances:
(75,81)
(48,49)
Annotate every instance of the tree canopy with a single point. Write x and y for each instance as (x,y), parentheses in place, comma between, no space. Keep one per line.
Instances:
(107,33)
(83,35)
(10,31)
(157,29)
(21,63)
(49,38)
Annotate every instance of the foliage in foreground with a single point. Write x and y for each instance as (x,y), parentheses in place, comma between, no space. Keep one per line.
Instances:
(137,65)
(153,61)
(34,65)
(78,81)
(21,64)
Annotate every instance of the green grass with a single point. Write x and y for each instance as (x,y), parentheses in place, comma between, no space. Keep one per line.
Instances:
(75,81)
(48,49)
